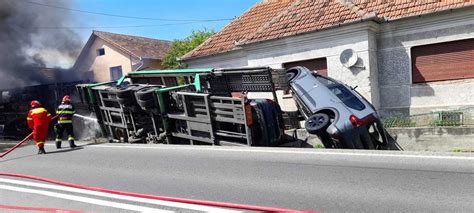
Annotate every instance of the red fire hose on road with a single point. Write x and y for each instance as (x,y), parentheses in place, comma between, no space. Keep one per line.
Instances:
(23,141)
(156,197)
(17,145)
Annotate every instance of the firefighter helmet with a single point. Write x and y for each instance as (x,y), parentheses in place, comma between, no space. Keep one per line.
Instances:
(66,99)
(35,104)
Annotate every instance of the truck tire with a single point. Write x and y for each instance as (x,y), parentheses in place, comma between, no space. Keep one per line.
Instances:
(146,93)
(133,108)
(148,104)
(125,101)
(124,92)
(317,123)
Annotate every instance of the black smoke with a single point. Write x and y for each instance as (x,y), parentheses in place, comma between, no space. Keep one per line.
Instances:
(34,37)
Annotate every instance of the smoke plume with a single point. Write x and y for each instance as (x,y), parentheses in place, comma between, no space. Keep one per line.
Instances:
(33,37)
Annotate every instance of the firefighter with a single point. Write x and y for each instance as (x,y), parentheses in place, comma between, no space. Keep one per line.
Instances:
(65,112)
(38,120)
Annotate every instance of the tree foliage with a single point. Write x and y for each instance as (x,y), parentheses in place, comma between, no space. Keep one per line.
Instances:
(183,46)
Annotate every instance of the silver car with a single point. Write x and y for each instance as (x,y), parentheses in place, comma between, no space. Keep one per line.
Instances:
(335,112)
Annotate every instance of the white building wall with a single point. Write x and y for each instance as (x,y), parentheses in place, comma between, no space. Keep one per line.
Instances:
(327,44)
(383,73)
(100,65)
(397,93)
(226,60)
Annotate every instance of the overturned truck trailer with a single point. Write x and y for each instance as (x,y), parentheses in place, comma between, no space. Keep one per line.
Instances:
(189,106)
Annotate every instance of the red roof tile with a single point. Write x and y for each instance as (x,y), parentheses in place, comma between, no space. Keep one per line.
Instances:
(273,19)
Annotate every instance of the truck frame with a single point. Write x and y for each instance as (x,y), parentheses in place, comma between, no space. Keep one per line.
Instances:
(188,106)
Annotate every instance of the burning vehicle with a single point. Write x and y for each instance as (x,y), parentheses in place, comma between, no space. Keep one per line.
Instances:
(14,105)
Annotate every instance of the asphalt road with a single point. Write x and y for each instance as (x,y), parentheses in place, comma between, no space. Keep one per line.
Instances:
(308,179)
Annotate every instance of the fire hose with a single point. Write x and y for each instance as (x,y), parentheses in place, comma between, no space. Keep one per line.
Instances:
(22,141)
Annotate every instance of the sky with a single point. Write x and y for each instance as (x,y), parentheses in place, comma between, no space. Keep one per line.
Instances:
(156,9)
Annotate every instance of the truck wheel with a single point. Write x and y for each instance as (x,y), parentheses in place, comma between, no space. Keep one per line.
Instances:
(317,123)
(125,101)
(147,103)
(124,92)
(146,93)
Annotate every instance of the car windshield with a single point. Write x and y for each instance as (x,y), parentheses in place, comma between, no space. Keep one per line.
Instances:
(342,93)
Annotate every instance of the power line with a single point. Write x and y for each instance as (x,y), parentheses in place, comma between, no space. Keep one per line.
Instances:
(122,16)
(109,27)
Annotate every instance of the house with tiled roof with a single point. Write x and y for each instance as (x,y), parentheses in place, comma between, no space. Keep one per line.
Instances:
(406,57)
(107,56)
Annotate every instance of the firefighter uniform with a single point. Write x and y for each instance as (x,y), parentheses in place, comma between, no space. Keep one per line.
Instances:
(65,112)
(38,120)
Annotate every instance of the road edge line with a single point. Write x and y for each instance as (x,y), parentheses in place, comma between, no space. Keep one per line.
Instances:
(173,199)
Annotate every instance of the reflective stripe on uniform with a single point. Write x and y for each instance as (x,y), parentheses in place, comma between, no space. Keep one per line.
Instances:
(70,138)
(58,139)
(29,119)
(65,121)
(38,111)
(65,112)
(39,142)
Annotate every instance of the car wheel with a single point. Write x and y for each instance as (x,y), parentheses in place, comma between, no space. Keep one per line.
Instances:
(317,123)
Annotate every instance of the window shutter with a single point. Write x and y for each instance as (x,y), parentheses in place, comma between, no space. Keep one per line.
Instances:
(443,61)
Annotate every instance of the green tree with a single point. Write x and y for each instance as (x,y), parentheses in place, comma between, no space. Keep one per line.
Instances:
(183,46)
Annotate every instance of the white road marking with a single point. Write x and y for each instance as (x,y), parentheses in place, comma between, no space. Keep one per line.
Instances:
(84,199)
(171,147)
(122,197)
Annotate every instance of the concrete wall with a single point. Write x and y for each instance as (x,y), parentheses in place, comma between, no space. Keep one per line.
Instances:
(397,93)
(100,65)
(439,139)
(434,138)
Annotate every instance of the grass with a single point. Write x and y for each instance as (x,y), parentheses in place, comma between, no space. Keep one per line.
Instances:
(463,150)
(398,122)
(319,146)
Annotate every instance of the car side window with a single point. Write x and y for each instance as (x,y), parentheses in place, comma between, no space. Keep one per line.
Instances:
(342,93)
